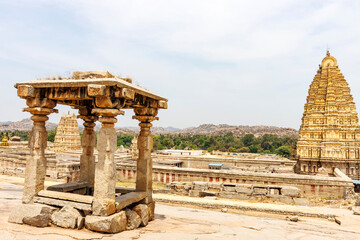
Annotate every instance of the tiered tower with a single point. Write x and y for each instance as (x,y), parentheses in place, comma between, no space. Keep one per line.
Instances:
(329,135)
(67,135)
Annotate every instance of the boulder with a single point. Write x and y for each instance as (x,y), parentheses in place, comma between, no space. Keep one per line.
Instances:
(294,218)
(30,211)
(67,217)
(133,219)
(110,224)
(356,210)
(143,211)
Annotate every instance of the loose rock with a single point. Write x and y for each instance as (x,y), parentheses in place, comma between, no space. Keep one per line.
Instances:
(224,210)
(337,220)
(29,211)
(294,219)
(41,220)
(133,219)
(67,217)
(143,211)
(110,224)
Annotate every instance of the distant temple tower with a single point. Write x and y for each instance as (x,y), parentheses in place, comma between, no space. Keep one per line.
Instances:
(67,135)
(329,135)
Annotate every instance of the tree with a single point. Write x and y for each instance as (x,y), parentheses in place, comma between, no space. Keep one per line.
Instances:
(244,150)
(283,151)
(248,139)
(51,135)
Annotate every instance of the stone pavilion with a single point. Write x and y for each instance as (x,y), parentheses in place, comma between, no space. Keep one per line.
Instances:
(98,96)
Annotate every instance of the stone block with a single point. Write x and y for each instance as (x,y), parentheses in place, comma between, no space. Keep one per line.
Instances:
(201,186)
(143,211)
(95,90)
(194,193)
(208,193)
(301,201)
(151,207)
(41,220)
(290,191)
(260,191)
(67,217)
(244,190)
(215,185)
(80,222)
(133,219)
(29,211)
(229,189)
(110,224)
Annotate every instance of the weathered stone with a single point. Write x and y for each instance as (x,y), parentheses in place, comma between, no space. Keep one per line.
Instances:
(41,220)
(67,217)
(337,220)
(294,218)
(194,193)
(215,185)
(356,210)
(224,210)
(143,211)
(29,211)
(290,191)
(129,198)
(133,219)
(285,199)
(201,186)
(110,224)
(260,191)
(229,189)
(80,222)
(151,207)
(301,201)
(244,189)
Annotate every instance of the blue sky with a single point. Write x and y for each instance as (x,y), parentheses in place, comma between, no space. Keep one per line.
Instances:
(232,62)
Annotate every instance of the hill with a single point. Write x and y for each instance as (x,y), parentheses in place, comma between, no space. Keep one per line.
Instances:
(216,130)
(23,125)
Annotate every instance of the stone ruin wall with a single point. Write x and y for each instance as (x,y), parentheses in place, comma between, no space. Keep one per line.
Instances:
(310,186)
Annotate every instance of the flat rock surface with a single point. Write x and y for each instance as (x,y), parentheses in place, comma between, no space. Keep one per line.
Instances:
(174,222)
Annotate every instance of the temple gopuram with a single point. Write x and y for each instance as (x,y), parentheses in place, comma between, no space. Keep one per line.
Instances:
(67,136)
(329,135)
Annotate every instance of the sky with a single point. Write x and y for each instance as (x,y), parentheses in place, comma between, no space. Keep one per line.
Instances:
(217,62)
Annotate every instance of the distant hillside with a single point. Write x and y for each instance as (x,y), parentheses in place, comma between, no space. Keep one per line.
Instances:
(211,129)
(23,125)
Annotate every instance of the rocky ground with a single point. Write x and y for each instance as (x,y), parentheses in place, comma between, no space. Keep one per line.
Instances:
(179,222)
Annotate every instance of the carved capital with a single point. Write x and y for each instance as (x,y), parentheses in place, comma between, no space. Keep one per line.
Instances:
(145,115)
(40,110)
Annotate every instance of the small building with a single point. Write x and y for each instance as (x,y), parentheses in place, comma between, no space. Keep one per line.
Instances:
(216,166)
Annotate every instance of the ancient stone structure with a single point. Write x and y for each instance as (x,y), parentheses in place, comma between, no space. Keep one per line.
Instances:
(134,151)
(329,133)
(5,142)
(67,134)
(98,96)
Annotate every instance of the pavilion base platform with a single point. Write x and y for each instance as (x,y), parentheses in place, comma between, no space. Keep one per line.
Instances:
(71,208)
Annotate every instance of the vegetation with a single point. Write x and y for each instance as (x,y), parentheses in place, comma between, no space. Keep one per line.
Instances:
(22,134)
(268,143)
(51,135)
(124,139)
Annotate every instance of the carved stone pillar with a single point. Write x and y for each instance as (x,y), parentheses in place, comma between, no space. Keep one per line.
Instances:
(35,171)
(87,158)
(145,145)
(105,171)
